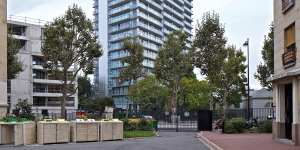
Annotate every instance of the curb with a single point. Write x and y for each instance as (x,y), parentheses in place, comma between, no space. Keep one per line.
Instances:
(207,142)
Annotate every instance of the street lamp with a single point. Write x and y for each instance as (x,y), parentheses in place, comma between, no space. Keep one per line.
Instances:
(246,44)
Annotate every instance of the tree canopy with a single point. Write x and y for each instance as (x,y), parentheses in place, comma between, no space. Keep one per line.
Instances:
(70,44)
(14,66)
(222,66)
(194,94)
(133,62)
(266,68)
(85,88)
(173,63)
(149,94)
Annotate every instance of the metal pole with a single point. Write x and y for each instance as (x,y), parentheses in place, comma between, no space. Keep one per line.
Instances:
(248,73)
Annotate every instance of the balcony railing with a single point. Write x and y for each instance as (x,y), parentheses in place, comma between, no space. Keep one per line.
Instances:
(289,58)
(287,4)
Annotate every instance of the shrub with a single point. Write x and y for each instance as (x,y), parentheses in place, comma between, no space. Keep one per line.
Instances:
(239,124)
(145,125)
(228,127)
(235,125)
(265,126)
(138,124)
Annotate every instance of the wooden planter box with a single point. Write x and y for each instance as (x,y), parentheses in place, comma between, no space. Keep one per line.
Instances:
(20,133)
(85,131)
(111,130)
(53,132)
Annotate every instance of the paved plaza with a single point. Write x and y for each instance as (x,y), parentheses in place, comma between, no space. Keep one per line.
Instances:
(166,141)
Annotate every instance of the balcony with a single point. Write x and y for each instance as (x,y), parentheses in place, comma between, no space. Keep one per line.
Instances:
(287,4)
(289,58)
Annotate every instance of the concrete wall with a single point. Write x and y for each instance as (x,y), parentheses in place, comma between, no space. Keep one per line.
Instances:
(3,58)
(22,86)
(282,21)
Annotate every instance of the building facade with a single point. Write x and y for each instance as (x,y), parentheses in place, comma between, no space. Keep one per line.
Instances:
(286,84)
(258,99)
(150,20)
(39,86)
(3,58)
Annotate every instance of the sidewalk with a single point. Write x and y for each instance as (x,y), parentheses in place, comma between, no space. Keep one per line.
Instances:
(243,141)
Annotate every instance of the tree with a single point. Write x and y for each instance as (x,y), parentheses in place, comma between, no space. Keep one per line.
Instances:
(266,69)
(14,66)
(85,88)
(70,44)
(133,63)
(229,83)
(223,66)
(149,94)
(209,45)
(172,64)
(23,107)
(97,104)
(194,94)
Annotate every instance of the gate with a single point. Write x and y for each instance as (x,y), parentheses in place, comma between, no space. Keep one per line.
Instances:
(182,122)
(205,120)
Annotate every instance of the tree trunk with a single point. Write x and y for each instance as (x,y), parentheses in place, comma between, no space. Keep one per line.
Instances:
(64,97)
(127,109)
(174,105)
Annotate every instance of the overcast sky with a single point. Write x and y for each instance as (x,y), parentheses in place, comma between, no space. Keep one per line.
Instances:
(242,18)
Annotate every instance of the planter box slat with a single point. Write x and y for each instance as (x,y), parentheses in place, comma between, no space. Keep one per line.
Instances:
(21,133)
(53,132)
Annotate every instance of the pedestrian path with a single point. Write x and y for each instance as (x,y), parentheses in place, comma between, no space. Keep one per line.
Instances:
(243,141)
(166,141)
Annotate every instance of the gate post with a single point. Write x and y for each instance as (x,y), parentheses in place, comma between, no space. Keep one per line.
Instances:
(177,123)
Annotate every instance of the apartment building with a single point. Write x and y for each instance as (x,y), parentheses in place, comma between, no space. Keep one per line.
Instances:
(39,86)
(3,58)
(150,20)
(286,84)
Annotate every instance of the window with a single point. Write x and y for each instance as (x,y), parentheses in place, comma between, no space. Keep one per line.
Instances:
(39,88)
(290,38)
(39,74)
(289,55)
(287,4)
(39,101)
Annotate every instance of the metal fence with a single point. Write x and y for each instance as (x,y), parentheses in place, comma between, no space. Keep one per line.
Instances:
(259,114)
(70,116)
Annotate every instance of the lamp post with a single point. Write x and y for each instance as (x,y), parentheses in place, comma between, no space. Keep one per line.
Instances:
(246,44)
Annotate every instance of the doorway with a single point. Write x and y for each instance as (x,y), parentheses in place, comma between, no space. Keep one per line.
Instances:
(288,89)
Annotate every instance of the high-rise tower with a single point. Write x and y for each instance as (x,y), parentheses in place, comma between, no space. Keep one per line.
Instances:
(150,20)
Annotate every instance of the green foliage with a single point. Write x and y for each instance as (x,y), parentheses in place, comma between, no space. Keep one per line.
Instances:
(133,63)
(149,94)
(23,107)
(173,63)
(14,66)
(194,94)
(84,87)
(135,134)
(139,124)
(223,66)
(235,125)
(266,69)
(98,104)
(70,42)
(20,118)
(265,126)
(209,45)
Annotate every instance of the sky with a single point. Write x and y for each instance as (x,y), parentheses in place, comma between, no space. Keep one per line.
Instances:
(242,19)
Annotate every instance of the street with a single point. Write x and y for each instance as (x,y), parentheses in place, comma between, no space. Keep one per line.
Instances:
(166,141)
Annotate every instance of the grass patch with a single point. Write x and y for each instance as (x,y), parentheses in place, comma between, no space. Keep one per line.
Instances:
(134,134)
